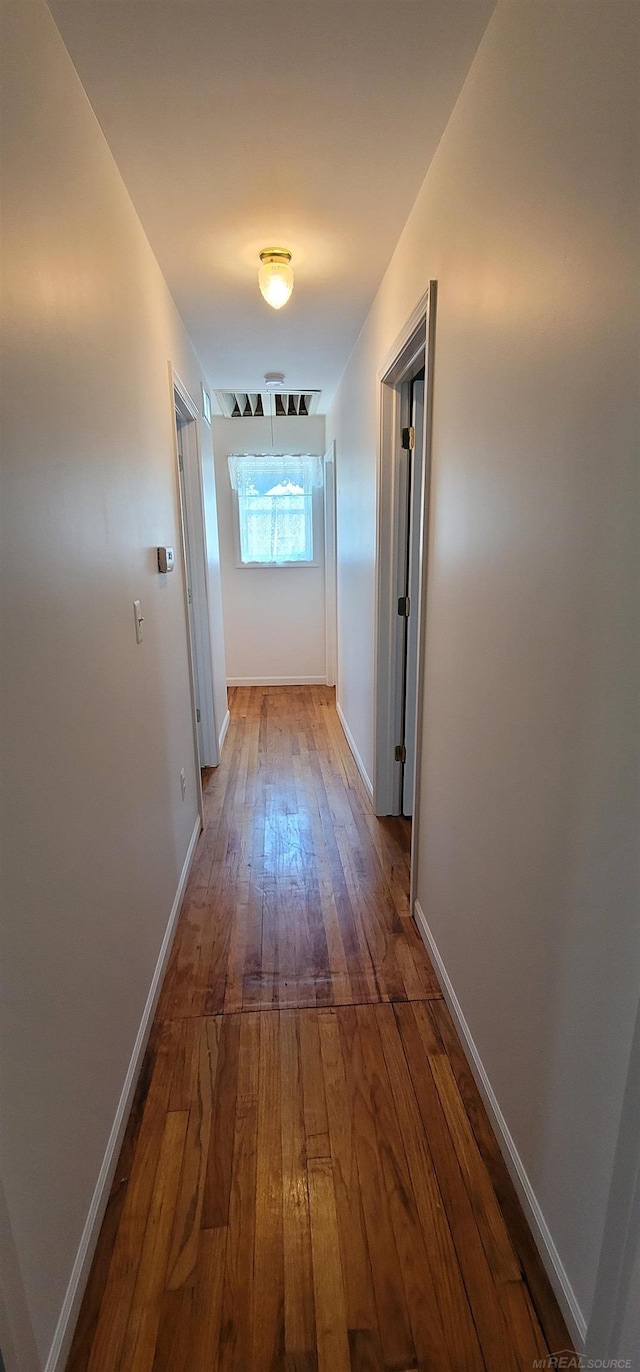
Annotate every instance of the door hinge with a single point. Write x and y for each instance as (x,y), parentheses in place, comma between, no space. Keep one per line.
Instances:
(180,463)
(189,595)
(400,753)
(409,439)
(404,606)
(197,716)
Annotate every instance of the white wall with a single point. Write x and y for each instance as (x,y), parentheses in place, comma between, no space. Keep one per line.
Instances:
(96,728)
(528,872)
(274,620)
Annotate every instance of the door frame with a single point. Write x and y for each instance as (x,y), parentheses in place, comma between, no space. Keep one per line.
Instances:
(192,511)
(330,565)
(616,1281)
(413,349)
(191,528)
(414,502)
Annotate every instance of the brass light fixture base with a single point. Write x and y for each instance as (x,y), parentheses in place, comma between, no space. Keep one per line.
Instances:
(276,255)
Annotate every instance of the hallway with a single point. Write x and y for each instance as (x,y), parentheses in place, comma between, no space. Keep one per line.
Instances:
(308,1180)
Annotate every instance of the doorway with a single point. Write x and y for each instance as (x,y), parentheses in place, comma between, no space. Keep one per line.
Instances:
(410,545)
(193,558)
(403,504)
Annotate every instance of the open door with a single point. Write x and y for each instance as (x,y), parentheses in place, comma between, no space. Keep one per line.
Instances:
(195,564)
(187,556)
(403,496)
(415,453)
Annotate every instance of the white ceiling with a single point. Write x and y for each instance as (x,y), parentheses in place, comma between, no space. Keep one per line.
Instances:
(241,125)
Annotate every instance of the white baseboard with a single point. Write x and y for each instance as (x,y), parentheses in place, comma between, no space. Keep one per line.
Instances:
(276,681)
(59,1350)
(566,1297)
(223,733)
(354,749)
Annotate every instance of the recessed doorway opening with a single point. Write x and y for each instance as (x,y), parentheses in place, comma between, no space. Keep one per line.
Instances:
(194,564)
(406,384)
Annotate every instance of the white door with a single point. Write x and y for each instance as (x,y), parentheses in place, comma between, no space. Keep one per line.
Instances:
(413,587)
(180,427)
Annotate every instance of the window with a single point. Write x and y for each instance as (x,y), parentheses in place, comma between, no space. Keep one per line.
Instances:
(275,507)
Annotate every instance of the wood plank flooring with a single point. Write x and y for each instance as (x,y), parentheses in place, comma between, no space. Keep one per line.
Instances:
(309,1181)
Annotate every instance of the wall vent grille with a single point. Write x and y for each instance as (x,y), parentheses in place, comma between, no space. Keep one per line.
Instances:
(256,404)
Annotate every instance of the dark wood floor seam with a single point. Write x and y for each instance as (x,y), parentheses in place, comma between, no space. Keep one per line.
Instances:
(273,1009)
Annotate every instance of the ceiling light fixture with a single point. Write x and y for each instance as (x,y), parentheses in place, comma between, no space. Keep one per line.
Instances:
(275,277)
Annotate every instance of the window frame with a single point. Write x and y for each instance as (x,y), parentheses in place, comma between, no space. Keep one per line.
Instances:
(317,534)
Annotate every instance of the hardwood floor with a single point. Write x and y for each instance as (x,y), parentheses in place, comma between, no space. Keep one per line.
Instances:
(309,1181)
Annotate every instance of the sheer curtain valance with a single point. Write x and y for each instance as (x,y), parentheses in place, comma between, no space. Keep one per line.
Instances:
(260,472)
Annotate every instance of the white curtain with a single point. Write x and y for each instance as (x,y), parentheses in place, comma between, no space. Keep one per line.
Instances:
(250,472)
(275,505)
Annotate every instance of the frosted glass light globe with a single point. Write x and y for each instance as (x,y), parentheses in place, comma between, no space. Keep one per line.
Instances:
(275,277)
